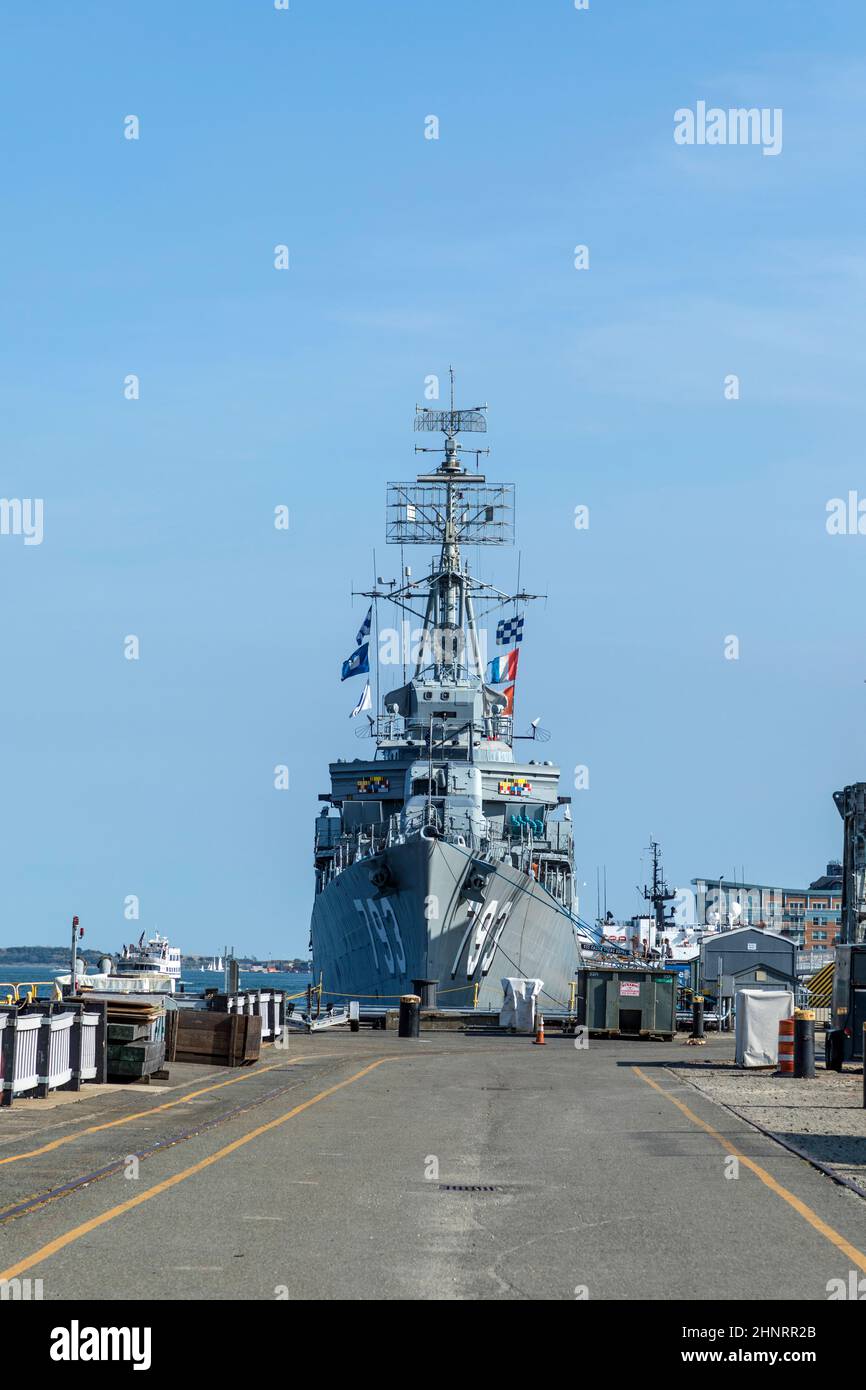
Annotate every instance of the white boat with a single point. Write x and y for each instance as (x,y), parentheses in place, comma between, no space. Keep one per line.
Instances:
(150,967)
(152,957)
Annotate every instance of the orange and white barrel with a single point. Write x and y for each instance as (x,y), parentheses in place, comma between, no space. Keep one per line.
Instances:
(786,1046)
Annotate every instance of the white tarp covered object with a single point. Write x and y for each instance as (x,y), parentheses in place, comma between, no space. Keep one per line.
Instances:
(759,1012)
(518,1008)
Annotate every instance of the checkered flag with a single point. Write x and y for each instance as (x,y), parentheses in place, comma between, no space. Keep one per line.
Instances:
(364,630)
(509,630)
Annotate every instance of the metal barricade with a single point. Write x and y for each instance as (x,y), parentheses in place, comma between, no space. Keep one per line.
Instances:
(267,1004)
(45,1051)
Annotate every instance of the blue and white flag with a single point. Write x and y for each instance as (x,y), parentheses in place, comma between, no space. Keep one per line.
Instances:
(364,630)
(357,663)
(509,630)
(365,702)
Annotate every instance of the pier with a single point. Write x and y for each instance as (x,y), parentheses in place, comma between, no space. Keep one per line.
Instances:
(369,1166)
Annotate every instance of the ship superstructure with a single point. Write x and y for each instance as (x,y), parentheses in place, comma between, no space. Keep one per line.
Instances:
(443,855)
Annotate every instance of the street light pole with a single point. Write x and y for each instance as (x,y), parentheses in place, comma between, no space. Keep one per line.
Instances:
(74,954)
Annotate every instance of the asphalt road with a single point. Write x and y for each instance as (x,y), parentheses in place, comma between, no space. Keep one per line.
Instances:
(325,1173)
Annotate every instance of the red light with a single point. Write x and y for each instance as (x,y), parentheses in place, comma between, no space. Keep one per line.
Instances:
(75,921)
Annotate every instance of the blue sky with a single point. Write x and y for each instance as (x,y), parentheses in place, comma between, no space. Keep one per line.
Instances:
(154,777)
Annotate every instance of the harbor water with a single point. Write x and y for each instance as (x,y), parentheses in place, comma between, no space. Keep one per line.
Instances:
(193,981)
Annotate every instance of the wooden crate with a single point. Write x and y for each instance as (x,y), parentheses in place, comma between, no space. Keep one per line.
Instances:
(229,1040)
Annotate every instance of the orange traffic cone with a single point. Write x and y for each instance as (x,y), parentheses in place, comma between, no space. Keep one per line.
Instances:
(538,1040)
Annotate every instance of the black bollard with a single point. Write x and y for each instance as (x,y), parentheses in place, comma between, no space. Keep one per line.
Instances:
(409,1025)
(427,991)
(804,1042)
(834,1044)
(698,1016)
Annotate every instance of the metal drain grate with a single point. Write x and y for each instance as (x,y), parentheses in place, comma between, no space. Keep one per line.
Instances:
(467,1187)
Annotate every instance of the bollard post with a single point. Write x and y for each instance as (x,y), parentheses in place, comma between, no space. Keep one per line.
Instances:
(786,1046)
(804,1043)
(834,1047)
(426,989)
(409,1025)
(698,1016)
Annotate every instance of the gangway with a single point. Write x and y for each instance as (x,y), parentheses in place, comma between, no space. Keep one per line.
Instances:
(593,936)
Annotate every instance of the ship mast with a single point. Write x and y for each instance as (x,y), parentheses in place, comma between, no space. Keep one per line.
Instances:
(450,613)
(659,895)
(448,508)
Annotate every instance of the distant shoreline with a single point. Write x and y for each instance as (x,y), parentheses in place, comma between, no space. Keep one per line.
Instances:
(48,956)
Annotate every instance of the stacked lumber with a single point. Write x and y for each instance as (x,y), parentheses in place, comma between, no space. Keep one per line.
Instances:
(136,1037)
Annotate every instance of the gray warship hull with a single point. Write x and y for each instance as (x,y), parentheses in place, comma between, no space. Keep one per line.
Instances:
(430,920)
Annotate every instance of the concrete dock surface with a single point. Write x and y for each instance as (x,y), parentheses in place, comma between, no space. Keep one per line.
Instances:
(823,1116)
(366,1166)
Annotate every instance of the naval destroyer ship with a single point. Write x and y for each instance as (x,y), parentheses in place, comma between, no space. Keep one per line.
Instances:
(444,856)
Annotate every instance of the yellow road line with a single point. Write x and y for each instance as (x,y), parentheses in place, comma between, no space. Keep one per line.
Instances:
(814,1220)
(86,1227)
(143,1114)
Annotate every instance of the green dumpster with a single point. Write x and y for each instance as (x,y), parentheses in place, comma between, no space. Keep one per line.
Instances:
(627,1002)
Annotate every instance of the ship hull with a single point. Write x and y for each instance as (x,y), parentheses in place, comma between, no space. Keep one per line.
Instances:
(426,909)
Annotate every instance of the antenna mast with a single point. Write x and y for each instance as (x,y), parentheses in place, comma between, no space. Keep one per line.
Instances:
(659,895)
(447,508)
